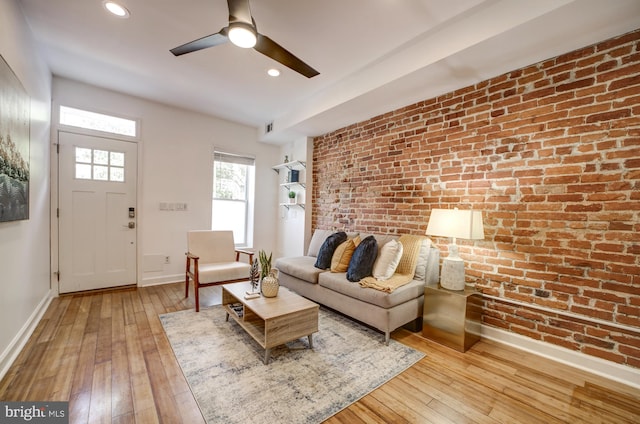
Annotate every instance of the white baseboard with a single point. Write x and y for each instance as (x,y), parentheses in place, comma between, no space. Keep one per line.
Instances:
(165,279)
(20,340)
(621,373)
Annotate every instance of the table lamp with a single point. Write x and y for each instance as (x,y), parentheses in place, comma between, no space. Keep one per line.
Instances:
(455,223)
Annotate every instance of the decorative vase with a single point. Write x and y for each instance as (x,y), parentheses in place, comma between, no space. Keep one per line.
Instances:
(270,284)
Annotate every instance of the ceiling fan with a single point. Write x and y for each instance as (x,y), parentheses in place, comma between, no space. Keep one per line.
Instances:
(242,32)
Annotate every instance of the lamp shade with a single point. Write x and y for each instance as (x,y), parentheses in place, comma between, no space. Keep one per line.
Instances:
(463,224)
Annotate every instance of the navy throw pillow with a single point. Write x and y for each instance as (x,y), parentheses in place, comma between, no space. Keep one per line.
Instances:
(323,260)
(361,264)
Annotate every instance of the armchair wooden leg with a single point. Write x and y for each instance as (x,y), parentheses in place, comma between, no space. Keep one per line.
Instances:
(197,290)
(186,276)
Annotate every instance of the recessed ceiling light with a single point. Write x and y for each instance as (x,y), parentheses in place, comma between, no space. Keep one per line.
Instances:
(273,72)
(116,8)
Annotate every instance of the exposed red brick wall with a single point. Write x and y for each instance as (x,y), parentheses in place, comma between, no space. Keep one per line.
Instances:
(551,154)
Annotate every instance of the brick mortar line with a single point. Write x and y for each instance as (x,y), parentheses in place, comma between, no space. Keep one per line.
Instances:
(567,314)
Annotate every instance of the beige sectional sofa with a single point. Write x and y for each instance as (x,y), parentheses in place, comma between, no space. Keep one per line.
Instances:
(379,309)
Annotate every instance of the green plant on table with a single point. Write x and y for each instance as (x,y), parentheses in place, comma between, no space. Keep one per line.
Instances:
(265,263)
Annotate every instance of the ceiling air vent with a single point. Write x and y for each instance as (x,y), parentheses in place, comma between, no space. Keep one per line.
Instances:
(268,127)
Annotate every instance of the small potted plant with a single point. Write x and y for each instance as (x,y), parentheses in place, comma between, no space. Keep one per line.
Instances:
(265,263)
(269,283)
(292,197)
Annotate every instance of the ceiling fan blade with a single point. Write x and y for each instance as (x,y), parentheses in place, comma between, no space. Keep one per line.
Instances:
(270,48)
(202,43)
(239,11)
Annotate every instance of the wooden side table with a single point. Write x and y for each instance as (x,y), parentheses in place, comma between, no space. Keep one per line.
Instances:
(452,318)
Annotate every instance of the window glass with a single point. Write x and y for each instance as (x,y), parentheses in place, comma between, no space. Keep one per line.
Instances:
(117,159)
(83,155)
(116,174)
(97,121)
(99,165)
(231,181)
(83,171)
(101,157)
(100,173)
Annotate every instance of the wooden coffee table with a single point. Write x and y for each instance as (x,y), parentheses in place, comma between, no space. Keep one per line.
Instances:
(271,321)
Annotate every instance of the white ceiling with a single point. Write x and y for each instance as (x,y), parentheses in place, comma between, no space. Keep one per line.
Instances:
(373,55)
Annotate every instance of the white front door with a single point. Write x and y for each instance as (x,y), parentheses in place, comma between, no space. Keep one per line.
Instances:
(97,179)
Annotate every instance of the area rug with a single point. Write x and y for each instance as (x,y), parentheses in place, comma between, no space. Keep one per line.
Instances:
(224,368)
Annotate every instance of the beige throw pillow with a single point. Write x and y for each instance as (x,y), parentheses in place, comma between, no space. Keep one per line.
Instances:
(388,260)
(342,255)
(319,236)
(423,257)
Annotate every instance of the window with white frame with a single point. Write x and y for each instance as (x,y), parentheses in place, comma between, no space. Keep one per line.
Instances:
(233,194)
(97,121)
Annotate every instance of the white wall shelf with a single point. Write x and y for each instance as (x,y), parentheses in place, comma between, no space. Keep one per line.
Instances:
(290,205)
(291,185)
(289,165)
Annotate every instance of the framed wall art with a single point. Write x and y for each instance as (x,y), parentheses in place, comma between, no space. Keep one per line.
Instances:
(14,146)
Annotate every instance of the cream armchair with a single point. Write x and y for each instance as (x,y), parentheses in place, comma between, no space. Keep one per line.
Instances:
(212,259)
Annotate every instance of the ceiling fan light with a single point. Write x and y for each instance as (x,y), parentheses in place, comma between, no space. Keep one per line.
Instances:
(242,35)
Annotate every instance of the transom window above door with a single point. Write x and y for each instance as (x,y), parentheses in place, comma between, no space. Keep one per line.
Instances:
(98,121)
(99,165)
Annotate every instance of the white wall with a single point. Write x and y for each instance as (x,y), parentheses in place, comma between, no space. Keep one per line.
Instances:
(175,165)
(24,245)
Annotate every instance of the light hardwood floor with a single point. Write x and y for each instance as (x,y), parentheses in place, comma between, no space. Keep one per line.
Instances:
(107,354)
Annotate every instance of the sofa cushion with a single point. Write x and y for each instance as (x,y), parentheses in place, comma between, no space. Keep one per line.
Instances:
(222,271)
(380,238)
(319,236)
(361,264)
(342,255)
(388,260)
(323,260)
(423,258)
(338,283)
(299,267)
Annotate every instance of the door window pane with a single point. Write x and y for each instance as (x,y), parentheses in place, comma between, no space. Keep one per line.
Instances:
(83,171)
(99,165)
(100,173)
(101,157)
(117,159)
(83,155)
(116,174)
